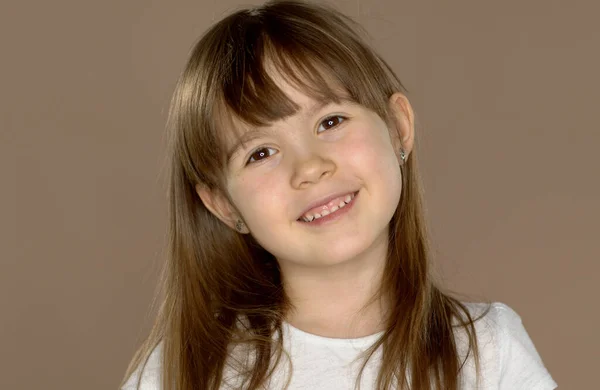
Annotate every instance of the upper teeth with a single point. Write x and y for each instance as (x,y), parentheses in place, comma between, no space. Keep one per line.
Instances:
(309,217)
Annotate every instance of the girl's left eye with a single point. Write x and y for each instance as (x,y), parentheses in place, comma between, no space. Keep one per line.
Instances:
(332,121)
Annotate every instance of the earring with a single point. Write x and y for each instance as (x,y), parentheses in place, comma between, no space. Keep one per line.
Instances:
(402,156)
(239,225)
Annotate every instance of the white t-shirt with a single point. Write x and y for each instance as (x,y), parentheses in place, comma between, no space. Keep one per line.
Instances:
(508,358)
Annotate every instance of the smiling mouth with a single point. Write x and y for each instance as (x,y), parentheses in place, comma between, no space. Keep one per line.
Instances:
(329,214)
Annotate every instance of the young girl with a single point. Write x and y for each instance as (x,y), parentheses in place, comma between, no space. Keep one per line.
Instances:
(298,251)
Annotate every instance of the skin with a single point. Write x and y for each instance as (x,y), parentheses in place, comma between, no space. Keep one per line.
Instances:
(329,272)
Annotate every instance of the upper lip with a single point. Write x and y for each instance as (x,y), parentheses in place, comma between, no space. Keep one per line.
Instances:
(324,200)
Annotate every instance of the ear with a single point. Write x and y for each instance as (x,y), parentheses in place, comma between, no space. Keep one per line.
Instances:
(403,121)
(220,206)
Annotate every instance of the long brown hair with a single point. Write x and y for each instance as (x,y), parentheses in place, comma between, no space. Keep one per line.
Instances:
(220,288)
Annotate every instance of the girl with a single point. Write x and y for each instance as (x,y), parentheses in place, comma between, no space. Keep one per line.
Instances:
(298,251)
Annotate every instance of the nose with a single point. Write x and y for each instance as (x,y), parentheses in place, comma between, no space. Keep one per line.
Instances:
(312,170)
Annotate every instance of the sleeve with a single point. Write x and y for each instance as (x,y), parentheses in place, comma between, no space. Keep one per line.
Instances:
(151,375)
(521,366)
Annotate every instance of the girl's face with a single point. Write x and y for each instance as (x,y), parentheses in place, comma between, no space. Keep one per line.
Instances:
(319,151)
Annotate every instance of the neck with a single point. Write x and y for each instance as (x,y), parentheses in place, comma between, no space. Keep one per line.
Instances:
(337,301)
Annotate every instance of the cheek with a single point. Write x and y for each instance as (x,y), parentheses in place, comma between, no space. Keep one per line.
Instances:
(370,151)
(260,196)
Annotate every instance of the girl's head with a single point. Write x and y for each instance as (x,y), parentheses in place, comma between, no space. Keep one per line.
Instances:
(281,106)
(278,108)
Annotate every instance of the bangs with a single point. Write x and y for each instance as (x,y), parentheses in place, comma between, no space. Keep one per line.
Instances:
(318,54)
(255,97)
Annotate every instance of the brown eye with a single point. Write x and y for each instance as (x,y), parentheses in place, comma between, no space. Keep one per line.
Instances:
(332,121)
(258,154)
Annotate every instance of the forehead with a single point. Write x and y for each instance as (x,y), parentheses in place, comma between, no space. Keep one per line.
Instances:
(304,100)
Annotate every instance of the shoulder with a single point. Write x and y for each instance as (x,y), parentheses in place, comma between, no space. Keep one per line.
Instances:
(148,375)
(508,357)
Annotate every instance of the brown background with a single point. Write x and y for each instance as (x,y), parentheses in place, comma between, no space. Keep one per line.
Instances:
(507,97)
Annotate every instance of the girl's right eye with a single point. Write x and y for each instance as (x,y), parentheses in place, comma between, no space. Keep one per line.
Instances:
(259,153)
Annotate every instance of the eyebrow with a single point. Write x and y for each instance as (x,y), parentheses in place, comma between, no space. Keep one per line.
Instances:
(253,134)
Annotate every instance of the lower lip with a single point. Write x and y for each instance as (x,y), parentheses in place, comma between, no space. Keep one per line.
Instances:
(333,216)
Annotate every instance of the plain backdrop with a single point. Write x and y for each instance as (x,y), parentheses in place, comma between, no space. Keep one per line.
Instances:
(506,95)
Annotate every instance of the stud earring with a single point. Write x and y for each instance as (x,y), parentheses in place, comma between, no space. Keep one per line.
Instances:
(402,156)
(239,225)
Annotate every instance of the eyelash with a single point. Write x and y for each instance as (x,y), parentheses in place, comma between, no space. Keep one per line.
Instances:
(324,120)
